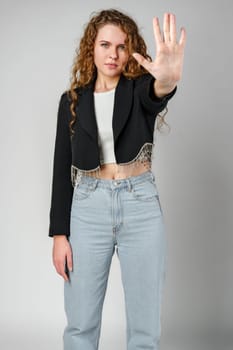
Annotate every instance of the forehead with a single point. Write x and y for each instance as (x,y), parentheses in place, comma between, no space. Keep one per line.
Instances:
(112,33)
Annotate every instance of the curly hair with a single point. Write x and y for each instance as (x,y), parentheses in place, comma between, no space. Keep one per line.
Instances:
(84,70)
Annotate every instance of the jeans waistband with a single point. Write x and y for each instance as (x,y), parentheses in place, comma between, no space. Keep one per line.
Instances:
(119,183)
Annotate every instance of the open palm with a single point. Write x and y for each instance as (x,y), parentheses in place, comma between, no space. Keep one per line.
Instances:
(168,64)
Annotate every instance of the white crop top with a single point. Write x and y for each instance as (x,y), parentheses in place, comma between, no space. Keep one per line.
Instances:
(104,102)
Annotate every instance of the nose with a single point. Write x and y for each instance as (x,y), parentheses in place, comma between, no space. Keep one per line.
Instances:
(113,54)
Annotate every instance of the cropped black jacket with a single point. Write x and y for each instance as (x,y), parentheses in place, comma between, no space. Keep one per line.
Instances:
(134,114)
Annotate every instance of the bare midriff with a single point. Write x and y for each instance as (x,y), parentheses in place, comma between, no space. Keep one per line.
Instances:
(138,165)
(114,171)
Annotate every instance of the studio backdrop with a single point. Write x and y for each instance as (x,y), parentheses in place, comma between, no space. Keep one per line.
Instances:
(192,165)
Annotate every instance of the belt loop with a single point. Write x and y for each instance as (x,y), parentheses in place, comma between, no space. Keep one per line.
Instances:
(94,183)
(129,185)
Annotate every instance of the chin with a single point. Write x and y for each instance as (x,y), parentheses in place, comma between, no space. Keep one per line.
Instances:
(113,74)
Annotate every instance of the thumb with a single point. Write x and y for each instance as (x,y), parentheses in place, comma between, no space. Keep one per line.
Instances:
(141,60)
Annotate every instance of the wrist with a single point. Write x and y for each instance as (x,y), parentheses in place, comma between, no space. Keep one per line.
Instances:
(161,89)
(59,237)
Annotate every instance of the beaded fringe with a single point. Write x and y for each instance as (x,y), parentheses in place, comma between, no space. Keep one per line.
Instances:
(144,157)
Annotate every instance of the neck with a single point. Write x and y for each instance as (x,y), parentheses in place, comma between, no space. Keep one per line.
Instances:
(105,84)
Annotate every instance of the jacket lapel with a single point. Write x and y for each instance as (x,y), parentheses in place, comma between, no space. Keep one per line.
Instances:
(86,112)
(122,104)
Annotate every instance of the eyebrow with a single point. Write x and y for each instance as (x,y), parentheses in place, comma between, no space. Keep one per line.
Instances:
(106,41)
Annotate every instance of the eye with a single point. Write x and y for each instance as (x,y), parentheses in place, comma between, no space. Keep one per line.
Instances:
(104,44)
(122,47)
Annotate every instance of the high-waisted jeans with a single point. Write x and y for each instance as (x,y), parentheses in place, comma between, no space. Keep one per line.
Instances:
(126,214)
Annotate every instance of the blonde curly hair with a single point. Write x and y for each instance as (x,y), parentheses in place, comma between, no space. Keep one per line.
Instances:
(84,70)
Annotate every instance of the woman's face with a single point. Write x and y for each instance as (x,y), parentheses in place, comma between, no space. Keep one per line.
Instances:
(110,52)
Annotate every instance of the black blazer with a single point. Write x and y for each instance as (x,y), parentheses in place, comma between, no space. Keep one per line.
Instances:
(134,114)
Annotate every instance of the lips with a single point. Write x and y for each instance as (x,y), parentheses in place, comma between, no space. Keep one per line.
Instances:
(111,65)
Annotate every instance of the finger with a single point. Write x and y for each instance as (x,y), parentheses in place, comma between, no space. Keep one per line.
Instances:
(157,32)
(183,35)
(69,260)
(58,264)
(166,27)
(65,276)
(61,270)
(141,60)
(173,28)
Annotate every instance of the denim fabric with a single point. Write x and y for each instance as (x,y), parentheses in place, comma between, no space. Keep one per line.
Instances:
(124,214)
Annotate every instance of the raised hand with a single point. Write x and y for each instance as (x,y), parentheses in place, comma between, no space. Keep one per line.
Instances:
(168,64)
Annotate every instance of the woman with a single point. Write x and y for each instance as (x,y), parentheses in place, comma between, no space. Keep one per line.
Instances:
(104,193)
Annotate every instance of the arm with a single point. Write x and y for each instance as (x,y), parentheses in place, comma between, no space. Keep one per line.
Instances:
(62,189)
(146,94)
(62,192)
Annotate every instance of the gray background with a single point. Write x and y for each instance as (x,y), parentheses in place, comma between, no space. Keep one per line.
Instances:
(193,167)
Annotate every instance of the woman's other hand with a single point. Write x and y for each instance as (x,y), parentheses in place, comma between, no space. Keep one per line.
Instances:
(62,255)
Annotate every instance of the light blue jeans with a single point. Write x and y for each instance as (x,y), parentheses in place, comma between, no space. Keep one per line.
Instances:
(125,214)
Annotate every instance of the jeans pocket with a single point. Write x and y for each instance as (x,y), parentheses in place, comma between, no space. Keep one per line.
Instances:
(145,191)
(82,191)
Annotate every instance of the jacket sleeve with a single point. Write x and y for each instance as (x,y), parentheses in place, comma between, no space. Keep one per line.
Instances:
(150,102)
(62,189)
